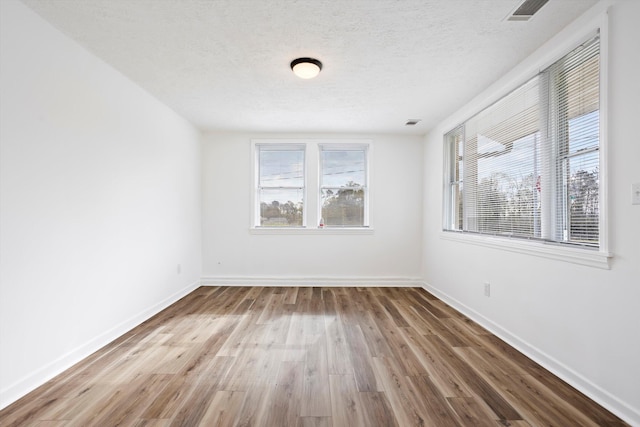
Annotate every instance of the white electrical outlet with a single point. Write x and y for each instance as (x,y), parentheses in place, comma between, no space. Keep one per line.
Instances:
(635,194)
(179,269)
(487,289)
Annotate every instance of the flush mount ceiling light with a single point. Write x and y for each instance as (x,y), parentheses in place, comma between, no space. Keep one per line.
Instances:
(306,68)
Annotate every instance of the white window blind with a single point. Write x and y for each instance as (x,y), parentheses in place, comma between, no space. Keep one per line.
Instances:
(280,185)
(528,165)
(573,88)
(343,186)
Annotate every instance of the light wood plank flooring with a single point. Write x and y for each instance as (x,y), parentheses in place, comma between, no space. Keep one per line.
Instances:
(240,356)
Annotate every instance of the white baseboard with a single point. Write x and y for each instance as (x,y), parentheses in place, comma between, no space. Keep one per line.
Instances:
(604,398)
(313,281)
(32,381)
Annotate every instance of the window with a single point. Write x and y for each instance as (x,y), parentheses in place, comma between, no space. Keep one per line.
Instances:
(311,186)
(280,186)
(528,166)
(343,186)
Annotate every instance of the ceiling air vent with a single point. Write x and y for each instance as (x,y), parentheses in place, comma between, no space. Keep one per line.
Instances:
(412,122)
(526,10)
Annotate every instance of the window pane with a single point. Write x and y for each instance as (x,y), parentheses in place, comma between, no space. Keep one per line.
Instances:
(583,198)
(281,207)
(343,206)
(455,198)
(583,132)
(343,168)
(454,152)
(577,77)
(501,165)
(507,191)
(281,168)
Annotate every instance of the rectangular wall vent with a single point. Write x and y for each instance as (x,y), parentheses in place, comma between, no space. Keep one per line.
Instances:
(526,10)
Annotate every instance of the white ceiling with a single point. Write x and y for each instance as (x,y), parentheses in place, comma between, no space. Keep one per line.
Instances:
(224,64)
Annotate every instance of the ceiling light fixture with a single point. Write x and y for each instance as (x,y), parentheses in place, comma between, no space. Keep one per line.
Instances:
(306,68)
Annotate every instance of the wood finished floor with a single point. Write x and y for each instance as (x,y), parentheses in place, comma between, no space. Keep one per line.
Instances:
(232,356)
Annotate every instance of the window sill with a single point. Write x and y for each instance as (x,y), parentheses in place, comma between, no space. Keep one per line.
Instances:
(582,256)
(306,230)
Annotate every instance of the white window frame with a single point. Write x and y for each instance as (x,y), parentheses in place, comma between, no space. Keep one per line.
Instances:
(312,191)
(599,257)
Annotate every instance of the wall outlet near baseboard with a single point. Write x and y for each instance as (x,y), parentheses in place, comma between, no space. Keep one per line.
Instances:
(487,289)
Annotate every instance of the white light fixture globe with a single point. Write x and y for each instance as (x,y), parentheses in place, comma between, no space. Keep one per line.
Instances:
(306,68)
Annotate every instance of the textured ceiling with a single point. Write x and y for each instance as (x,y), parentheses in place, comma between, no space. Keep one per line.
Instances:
(224,64)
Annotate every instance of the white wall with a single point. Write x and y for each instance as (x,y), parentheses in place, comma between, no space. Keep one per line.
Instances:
(582,322)
(100,201)
(390,255)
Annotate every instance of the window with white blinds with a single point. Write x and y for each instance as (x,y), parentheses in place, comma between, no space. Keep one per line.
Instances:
(310,186)
(528,165)
(343,185)
(280,185)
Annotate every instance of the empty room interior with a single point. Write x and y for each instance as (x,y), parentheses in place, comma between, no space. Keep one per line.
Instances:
(319,213)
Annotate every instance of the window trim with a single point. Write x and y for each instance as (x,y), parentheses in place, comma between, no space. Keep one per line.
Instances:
(594,257)
(574,254)
(311,230)
(312,206)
